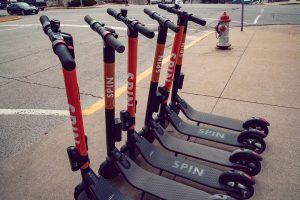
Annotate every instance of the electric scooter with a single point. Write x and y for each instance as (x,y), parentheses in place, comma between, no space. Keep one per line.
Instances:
(93,186)
(117,161)
(250,139)
(210,177)
(207,118)
(211,119)
(240,159)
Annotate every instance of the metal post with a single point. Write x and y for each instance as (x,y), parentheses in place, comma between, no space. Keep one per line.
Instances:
(242,20)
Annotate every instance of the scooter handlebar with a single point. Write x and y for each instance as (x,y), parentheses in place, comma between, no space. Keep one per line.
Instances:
(112,12)
(163,6)
(145,31)
(178,12)
(149,12)
(44,21)
(59,46)
(172,26)
(114,43)
(197,20)
(166,22)
(67,61)
(105,33)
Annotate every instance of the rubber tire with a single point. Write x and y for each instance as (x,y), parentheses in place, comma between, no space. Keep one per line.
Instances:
(108,170)
(80,193)
(227,178)
(245,138)
(263,129)
(247,161)
(9,12)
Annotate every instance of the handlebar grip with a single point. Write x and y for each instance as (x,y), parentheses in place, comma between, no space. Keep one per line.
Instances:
(172,26)
(64,56)
(88,19)
(148,12)
(112,12)
(197,20)
(145,31)
(115,44)
(44,19)
(162,6)
(45,22)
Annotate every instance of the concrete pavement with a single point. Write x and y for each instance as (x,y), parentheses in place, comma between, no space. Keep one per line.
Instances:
(258,76)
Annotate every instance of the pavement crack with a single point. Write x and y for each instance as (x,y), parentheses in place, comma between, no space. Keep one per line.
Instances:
(48,86)
(236,66)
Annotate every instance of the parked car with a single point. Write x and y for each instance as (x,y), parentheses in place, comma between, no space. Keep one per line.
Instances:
(3,5)
(40,4)
(21,8)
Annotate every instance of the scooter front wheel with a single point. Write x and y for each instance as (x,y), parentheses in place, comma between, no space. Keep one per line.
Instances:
(254,166)
(259,124)
(255,142)
(241,186)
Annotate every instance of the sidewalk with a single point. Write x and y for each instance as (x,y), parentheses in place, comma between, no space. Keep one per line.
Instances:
(258,76)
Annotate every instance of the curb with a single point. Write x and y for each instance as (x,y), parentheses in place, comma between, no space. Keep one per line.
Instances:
(9,18)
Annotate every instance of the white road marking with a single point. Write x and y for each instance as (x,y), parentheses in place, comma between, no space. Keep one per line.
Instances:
(34,112)
(256,19)
(258,16)
(9,29)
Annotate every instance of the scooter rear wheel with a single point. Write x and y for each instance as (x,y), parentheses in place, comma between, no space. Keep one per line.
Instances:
(81,193)
(108,170)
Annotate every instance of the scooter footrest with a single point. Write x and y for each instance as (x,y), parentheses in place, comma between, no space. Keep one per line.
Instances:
(210,119)
(159,186)
(179,166)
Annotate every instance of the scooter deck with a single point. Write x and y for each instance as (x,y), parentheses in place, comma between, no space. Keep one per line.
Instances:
(158,186)
(210,119)
(102,190)
(198,151)
(179,166)
(215,135)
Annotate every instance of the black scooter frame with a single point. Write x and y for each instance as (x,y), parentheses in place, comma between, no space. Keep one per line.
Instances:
(250,139)
(178,103)
(94,187)
(178,166)
(241,159)
(118,162)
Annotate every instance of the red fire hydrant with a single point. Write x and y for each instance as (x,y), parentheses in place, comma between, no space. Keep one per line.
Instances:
(222,31)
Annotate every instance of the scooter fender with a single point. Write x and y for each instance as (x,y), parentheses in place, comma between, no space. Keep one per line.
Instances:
(238,175)
(255,120)
(241,153)
(249,132)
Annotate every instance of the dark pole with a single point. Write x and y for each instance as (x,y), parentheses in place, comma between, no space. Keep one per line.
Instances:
(242,21)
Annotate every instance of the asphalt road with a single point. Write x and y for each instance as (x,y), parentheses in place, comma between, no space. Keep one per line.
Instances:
(32,95)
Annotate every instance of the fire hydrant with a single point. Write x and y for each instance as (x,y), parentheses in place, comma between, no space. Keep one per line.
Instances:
(222,31)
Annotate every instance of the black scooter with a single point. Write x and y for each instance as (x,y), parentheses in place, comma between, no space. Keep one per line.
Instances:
(250,139)
(241,159)
(92,186)
(117,161)
(210,177)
